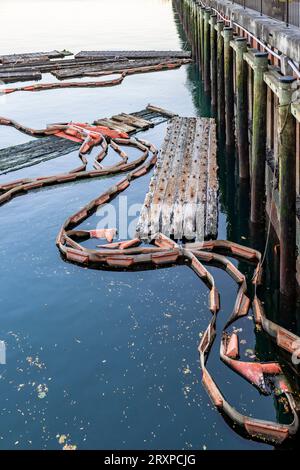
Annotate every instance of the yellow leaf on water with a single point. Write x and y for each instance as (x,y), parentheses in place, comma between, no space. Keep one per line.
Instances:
(62,439)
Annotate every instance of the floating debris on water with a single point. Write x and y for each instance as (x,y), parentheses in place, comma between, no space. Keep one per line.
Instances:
(42,390)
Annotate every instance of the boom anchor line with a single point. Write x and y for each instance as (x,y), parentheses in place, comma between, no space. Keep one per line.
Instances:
(267,377)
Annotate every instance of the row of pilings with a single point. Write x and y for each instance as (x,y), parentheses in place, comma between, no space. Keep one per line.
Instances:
(256,111)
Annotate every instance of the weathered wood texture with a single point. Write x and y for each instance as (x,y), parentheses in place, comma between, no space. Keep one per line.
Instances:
(21,76)
(32,56)
(33,70)
(31,66)
(45,65)
(133,54)
(134,122)
(34,152)
(182,201)
(114,66)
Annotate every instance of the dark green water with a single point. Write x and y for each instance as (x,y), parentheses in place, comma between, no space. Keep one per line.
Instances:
(110,359)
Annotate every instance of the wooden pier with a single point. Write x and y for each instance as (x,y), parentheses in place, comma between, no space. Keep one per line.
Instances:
(249,67)
(182,201)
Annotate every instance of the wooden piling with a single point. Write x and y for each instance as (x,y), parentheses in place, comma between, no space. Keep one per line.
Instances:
(250,112)
(220,76)
(206,64)
(287,187)
(240,47)
(258,147)
(228,82)
(213,60)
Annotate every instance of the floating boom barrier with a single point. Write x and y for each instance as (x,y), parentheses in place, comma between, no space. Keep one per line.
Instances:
(267,377)
(50,143)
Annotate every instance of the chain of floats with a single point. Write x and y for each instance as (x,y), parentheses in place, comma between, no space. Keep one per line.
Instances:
(91,137)
(97,83)
(165,252)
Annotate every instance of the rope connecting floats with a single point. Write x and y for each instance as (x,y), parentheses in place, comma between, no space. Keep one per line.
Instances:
(267,377)
(90,136)
(102,83)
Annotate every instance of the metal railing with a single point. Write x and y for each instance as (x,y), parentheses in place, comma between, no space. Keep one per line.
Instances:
(282,10)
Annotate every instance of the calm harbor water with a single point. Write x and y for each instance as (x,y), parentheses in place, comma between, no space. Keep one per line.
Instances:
(108,359)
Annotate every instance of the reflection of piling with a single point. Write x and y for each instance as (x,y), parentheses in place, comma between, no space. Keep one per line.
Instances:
(228,83)
(240,46)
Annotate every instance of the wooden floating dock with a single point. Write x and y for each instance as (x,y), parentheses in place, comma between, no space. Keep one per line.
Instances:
(99,67)
(34,152)
(135,122)
(132,54)
(182,201)
(17,59)
(23,67)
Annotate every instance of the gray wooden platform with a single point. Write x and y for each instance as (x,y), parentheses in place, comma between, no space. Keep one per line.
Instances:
(24,67)
(133,54)
(182,201)
(34,152)
(32,56)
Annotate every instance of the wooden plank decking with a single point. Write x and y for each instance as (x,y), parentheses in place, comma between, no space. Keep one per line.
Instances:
(34,152)
(24,67)
(182,201)
(132,54)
